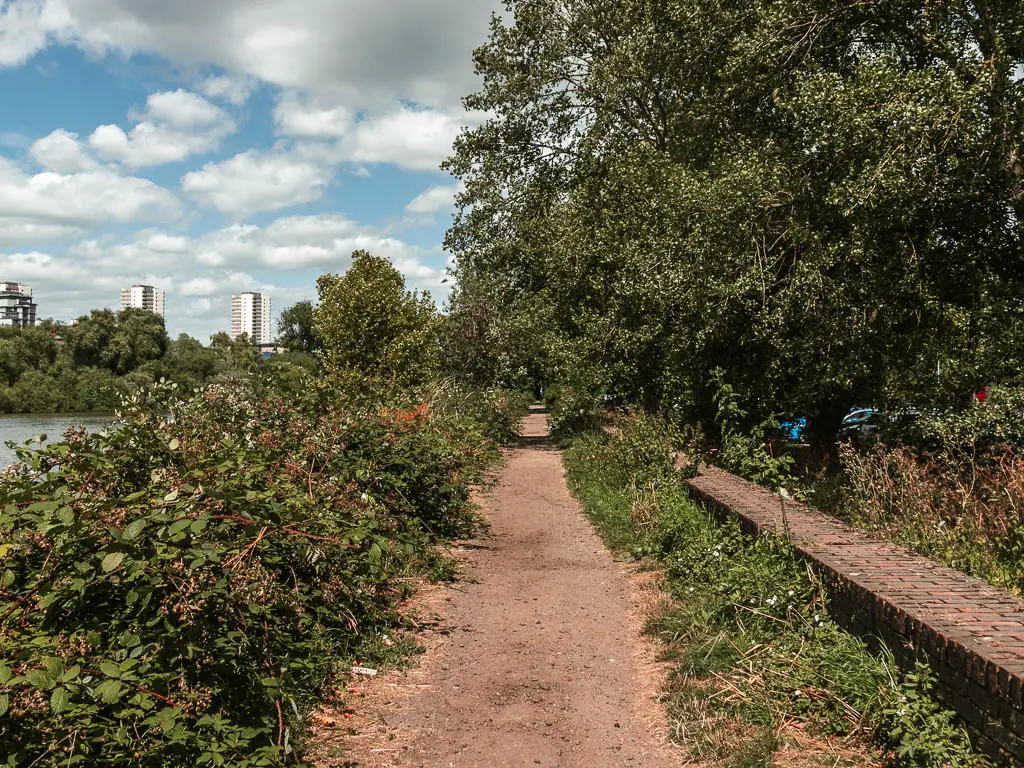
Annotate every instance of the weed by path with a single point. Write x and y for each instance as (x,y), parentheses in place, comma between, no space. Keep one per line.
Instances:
(753,647)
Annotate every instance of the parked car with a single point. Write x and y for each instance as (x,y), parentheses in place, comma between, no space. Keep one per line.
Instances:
(860,424)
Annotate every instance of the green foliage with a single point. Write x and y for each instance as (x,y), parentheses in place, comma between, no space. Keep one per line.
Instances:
(823,200)
(140,336)
(182,592)
(961,509)
(87,341)
(296,329)
(371,328)
(493,345)
(980,428)
(745,450)
(25,349)
(187,363)
(289,374)
(89,365)
(497,412)
(573,411)
(750,639)
(646,448)
(35,392)
(921,731)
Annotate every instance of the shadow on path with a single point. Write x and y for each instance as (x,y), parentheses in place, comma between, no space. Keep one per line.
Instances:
(536,442)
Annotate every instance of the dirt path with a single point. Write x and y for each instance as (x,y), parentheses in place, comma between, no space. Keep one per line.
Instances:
(537,661)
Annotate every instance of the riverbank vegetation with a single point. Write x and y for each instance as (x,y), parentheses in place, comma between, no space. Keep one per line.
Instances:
(757,666)
(184,591)
(102,357)
(949,486)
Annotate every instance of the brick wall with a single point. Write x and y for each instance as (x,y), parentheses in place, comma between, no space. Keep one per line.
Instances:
(970,633)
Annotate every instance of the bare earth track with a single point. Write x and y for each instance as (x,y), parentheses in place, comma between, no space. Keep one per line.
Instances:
(536,660)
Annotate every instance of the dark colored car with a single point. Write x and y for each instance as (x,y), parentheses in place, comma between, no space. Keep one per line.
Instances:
(863,424)
(860,424)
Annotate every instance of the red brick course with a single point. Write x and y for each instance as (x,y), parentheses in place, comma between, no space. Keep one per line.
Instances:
(971,633)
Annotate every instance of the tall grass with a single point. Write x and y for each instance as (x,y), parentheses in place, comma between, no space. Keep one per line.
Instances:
(750,639)
(963,507)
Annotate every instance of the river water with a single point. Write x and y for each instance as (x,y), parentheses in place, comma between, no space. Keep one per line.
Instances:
(25,426)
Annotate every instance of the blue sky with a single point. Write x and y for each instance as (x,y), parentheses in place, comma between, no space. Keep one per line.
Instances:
(210,148)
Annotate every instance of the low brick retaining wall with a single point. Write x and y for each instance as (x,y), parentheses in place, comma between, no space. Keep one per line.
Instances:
(972,634)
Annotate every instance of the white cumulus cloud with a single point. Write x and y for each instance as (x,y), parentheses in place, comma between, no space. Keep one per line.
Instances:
(253,181)
(174,125)
(321,241)
(433,200)
(62,152)
(306,118)
(414,139)
(16,232)
(81,199)
(23,31)
(370,52)
(234,89)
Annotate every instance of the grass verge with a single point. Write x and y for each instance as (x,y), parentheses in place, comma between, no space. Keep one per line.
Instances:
(755,657)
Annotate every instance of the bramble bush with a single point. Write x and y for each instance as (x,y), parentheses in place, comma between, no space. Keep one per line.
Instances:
(182,591)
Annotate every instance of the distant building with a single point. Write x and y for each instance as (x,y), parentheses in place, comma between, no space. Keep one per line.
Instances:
(269,350)
(17,309)
(250,315)
(143,297)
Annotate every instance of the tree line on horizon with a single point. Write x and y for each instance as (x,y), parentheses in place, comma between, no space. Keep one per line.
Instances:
(91,364)
(380,332)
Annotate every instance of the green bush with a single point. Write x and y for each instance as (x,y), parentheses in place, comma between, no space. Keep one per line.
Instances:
(498,412)
(745,448)
(35,392)
(182,592)
(573,411)
(952,488)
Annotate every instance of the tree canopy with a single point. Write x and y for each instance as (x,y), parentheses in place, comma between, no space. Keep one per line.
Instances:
(822,199)
(370,324)
(90,364)
(296,329)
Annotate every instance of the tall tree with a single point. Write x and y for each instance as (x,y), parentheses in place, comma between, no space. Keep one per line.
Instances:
(823,199)
(296,329)
(140,336)
(369,323)
(88,338)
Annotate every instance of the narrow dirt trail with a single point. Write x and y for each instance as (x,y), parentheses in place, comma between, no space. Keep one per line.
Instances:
(538,659)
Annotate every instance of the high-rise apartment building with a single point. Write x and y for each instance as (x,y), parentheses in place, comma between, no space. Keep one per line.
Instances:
(250,315)
(143,297)
(17,309)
